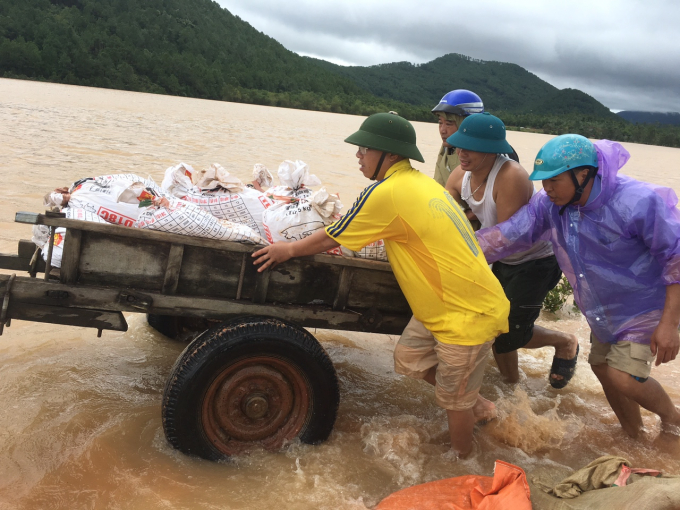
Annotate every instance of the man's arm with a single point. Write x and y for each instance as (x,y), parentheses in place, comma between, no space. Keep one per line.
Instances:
(271,256)
(665,339)
(512,190)
(454,185)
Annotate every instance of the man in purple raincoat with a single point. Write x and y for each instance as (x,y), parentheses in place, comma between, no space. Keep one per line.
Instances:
(617,240)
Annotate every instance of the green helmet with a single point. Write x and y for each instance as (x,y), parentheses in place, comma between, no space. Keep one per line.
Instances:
(387,132)
(562,153)
(481,132)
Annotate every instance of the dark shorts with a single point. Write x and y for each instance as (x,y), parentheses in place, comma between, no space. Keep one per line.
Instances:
(525,286)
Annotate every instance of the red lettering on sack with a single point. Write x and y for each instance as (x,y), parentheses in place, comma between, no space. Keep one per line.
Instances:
(115,217)
(335,251)
(265,201)
(268,234)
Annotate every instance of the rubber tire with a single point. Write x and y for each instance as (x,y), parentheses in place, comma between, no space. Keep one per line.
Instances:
(229,343)
(165,324)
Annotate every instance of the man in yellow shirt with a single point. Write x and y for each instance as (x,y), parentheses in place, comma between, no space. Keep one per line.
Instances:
(436,261)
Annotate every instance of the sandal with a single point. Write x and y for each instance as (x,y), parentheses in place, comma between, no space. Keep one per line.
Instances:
(565,368)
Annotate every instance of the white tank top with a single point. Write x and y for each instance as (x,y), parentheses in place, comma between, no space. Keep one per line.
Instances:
(485,210)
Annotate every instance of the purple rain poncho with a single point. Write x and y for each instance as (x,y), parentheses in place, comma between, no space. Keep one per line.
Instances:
(618,252)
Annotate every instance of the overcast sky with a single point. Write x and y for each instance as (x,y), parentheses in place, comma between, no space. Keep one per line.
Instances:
(625,53)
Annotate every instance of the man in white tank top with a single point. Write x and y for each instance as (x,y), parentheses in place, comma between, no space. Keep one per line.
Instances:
(495,187)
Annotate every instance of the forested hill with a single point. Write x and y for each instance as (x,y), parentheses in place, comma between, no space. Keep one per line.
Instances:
(180,47)
(502,86)
(196,48)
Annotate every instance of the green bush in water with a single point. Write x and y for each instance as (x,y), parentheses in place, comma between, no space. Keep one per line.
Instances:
(558,296)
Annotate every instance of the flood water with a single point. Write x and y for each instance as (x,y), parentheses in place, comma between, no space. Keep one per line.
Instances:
(80,416)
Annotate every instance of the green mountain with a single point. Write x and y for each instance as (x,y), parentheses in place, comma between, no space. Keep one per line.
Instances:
(502,86)
(196,48)
(180,47)
(573,101)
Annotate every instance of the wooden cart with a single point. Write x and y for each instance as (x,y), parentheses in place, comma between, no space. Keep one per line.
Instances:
(252,375)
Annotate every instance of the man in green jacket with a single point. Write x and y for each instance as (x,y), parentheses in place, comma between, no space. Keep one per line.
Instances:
(452,110)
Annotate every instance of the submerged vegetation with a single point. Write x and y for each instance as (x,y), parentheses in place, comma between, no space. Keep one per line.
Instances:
(195,48)
(558,296)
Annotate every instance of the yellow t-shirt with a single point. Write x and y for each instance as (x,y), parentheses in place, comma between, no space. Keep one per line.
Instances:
(433,252)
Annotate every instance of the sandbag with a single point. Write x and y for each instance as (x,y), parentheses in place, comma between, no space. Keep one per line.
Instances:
(295,182)
(219,193)
(640,492)
(506,490)
(102,201)
(373,251)
(181,217)
(126,180)
(262,177)
(301,218)
(178,181)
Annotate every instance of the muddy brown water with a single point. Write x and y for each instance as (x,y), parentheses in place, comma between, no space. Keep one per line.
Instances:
(80,422)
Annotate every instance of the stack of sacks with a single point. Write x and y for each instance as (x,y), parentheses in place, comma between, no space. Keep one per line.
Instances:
(170,214)
(220,194)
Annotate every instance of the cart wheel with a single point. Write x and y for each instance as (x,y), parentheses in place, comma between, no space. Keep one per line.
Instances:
(253,382)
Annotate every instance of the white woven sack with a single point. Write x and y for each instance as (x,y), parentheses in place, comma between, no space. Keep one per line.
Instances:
(103,202)
(177,180)
(180,217)
(299,219)
(373,251)
(295,181)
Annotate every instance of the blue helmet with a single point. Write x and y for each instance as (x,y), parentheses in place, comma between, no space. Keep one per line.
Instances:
(562,153)
(460,102)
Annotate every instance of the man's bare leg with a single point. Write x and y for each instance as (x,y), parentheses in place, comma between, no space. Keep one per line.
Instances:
(483,410)
(649,394)
(565,346)
(461,425)
(625,409)
(508,365)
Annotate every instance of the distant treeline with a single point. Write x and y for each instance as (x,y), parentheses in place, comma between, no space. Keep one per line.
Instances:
(195,48)
(594,127)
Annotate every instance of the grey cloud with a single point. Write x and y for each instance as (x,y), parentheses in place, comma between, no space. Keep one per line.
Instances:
(626,53)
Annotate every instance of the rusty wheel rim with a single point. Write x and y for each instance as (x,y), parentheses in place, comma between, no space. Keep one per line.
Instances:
(256,402)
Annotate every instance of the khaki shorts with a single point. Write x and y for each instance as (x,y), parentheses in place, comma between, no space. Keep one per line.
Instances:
(629,357)
(460,368)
